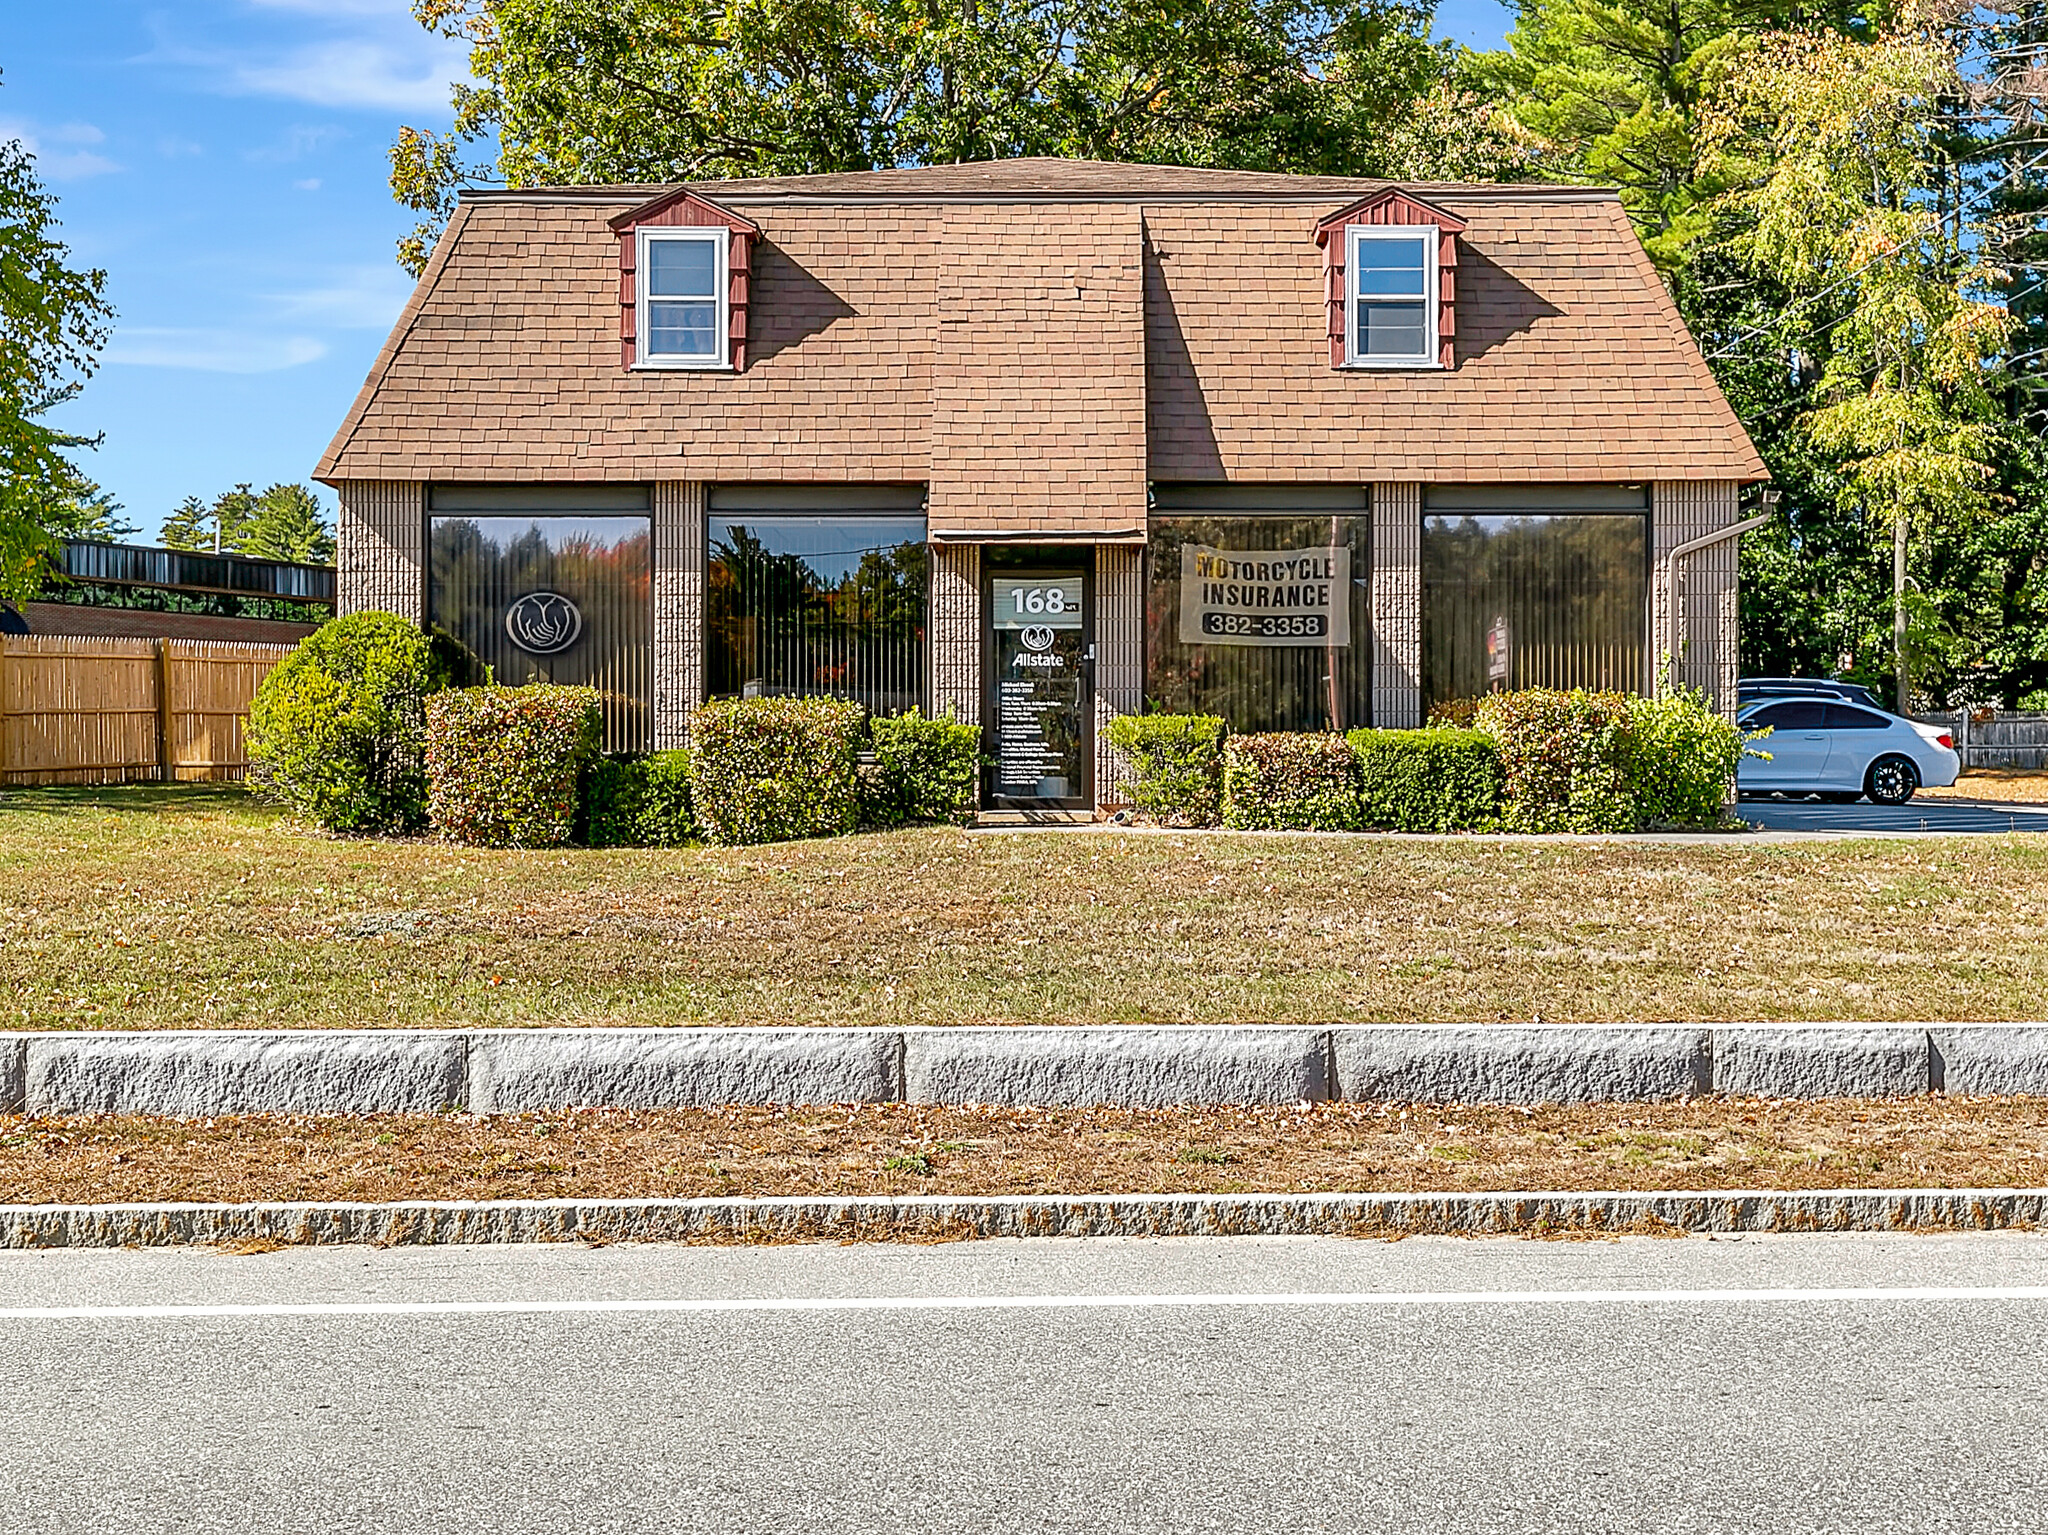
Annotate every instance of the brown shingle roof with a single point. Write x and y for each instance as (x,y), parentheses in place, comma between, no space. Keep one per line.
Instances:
(922,325)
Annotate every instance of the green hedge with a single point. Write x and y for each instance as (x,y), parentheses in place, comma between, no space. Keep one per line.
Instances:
(774,769)
(1609,762)
(504,765)
(1176,765)
(1427,780)
(924,770)
(638,802)
(1290,783)
(1680,760)
(1564,758)
(337,731)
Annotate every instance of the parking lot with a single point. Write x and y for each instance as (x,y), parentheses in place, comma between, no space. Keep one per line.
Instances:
(1934,817)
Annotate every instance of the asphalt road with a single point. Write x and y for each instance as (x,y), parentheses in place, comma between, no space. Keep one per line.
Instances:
(1935,817)
(1248,1385)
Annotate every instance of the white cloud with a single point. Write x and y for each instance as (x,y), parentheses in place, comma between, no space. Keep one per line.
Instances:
(309,184)
(356,73)
(358,298)
(212,351)
(297,143)
(60,152)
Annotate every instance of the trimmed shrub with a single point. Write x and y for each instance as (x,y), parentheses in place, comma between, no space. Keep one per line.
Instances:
(504,765)
(1565,757)
(337,731)
(774,769)
(1176,765)
(924,770)
(1427,780)
(1290,783)
(638,802)
(1453,713)
(1680,760)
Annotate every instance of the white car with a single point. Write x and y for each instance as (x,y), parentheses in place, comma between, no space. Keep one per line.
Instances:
(1840,751)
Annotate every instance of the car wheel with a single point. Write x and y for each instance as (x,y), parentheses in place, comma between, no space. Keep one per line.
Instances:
(1891,781)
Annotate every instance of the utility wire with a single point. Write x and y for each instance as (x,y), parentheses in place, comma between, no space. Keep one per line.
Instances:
(1789,310)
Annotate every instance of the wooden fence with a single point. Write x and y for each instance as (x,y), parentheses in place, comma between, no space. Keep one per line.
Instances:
(2015,740)
(121,711)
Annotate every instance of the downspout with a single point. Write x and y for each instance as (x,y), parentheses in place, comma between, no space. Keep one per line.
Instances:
(1674,615)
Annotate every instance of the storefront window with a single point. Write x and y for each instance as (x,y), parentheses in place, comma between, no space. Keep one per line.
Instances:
(817,604)
(1532,600)
(550,599)
(1265,620)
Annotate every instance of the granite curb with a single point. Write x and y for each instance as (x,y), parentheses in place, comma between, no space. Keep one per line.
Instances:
(203,1073)
(965,1218)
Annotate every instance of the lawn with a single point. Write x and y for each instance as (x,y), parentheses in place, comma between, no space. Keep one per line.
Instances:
(197,907)
(915,1149)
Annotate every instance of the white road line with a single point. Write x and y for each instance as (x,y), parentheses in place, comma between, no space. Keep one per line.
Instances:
(1358,1298)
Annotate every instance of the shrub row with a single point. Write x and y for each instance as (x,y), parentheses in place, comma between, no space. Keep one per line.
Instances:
(359,732)
(1533,761)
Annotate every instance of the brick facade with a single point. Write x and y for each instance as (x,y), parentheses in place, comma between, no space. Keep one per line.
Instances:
(679,560)
(955,658)
(380,529)
(1119,657)
(1709,658)
(1396,605)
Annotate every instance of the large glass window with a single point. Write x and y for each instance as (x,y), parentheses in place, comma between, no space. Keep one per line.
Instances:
(1532,600)
(817,604)
(1265,620)
(550,599)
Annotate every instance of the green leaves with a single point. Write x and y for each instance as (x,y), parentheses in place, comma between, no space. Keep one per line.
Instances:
(284,522)
(53,321)
(583,91)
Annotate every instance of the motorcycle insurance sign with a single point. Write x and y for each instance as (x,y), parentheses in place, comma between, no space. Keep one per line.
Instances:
(1265,596)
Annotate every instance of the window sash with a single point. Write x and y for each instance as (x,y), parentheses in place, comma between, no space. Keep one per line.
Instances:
(1389,299)
(682,330)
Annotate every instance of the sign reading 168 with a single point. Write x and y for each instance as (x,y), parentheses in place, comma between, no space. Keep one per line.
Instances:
(1039,599)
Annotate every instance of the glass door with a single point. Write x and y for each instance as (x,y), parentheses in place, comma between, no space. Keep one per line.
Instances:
(1039,713)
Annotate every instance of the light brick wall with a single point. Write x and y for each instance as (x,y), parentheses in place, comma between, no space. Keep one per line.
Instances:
(956,630)
(1119,658)
(381,563)
(679,557)
(1396,605)
(1709,649)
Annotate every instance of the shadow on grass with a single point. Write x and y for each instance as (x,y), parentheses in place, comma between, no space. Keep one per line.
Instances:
(136,799)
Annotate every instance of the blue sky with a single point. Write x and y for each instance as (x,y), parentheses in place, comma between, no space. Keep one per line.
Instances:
(223,160)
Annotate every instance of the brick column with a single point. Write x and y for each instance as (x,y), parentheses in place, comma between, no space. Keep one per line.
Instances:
(1396,606)
(1119,657)
(679,557)
(956,630)
(1709,648)
(381,560)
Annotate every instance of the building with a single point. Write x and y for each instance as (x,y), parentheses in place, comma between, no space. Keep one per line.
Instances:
(104,590)
(1043,442)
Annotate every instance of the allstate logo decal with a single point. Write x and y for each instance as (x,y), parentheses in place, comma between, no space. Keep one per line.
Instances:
(1037,637)
(543,623)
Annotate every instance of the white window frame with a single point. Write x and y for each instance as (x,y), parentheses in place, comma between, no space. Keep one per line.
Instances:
(720,241)
(1359,234)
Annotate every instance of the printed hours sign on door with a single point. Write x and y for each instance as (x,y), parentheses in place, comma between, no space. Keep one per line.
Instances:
(1265,596)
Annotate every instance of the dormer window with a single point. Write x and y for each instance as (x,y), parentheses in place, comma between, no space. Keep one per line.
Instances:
(1390,267)
(1392,300)
(682,298)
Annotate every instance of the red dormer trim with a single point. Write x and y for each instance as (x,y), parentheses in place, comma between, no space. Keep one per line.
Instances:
(1391,206)
(684,208)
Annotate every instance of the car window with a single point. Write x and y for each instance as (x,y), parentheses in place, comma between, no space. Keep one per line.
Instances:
(1849,717)
(1796,714)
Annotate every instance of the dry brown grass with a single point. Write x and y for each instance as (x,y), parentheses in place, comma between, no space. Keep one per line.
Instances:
(197,908)
(2017,786)
(910,1149)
